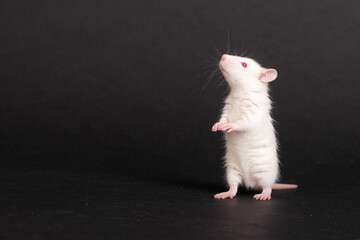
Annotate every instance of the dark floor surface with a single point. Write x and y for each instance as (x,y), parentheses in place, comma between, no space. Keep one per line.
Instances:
(61,205)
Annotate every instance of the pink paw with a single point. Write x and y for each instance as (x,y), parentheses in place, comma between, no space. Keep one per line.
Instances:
(217,126)
(262,196)
(229,127)
(224,195)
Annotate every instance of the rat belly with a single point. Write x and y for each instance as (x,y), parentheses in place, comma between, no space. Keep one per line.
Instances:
(254,155)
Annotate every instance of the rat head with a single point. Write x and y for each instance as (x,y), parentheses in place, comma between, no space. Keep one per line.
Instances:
(245,72)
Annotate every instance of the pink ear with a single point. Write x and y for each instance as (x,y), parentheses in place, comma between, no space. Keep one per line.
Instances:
(268,75)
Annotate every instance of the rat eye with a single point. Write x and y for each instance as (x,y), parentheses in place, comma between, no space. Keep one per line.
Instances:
(244,64)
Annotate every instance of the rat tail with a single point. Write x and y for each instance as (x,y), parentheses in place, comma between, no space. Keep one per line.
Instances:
(280,186)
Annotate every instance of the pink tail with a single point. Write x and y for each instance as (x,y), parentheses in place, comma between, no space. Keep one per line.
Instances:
(279,186)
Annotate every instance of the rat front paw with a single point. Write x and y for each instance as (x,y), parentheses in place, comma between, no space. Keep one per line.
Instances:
(229,127)
(217,126)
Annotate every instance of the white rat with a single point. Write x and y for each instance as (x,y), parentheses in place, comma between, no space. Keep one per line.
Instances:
(251,147)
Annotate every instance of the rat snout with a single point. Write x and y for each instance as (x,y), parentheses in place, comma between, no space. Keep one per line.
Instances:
(224,63)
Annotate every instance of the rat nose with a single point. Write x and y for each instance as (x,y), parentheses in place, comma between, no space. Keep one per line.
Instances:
(223,57)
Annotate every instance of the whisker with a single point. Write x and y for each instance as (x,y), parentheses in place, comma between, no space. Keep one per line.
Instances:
(222,83)
(210,70)
(217,50)
(243,54)
(213,57)
(257,44)
(228,45)
(208,80)
(211,66)
(236,52)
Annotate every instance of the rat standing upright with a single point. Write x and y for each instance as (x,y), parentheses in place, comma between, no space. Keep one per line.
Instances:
(251,157)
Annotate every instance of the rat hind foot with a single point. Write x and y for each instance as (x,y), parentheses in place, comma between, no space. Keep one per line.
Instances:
(229,194)
(224,195)
(262,196)
(265,195)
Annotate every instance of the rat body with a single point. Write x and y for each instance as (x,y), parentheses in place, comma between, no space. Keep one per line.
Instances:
(251,147)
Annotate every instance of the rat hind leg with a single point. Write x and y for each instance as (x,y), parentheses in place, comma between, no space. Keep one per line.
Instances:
(233,179)
(265,175)
(266,182)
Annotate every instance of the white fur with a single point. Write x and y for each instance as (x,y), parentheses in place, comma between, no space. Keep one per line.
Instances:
(251,147)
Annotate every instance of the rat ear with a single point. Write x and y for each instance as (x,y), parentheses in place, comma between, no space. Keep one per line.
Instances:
(268,75)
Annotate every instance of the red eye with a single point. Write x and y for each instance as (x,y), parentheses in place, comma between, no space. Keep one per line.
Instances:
(244,64)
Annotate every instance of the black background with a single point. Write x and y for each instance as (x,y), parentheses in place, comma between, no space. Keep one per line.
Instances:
(106,108)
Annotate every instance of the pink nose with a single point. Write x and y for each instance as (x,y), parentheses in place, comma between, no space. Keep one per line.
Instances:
(223,58)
